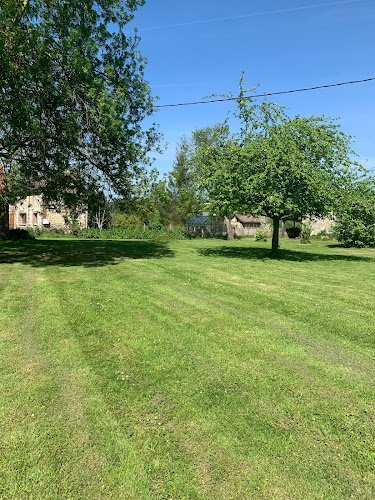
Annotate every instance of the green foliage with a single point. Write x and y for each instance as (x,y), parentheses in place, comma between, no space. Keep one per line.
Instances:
(49,233)
(263,232)
(72,223)
(355,225)
(324,234)
(127,221)
(260,235)
(72,98)
(149,201)
(306,232)
(185,197)
(281,167)
(19,235)
(353,233)
(291,224)
(132,233)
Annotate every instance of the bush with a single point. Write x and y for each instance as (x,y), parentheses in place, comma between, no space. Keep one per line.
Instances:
(263,232)
(306,232)
(155,225)
(260,235)
(20,235)
(43,234)
(323,233)
(355,224)
(354,233)
(127,221)
(132,234)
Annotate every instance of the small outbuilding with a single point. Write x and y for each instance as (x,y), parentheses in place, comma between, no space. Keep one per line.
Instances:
(246,225)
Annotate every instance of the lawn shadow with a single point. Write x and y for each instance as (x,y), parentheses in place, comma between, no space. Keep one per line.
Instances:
(93,253)
(288,255)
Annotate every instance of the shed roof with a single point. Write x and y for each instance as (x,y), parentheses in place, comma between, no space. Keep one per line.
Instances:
(248,218)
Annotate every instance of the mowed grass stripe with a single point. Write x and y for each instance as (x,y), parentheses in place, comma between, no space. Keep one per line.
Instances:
(219,380)
(91,443)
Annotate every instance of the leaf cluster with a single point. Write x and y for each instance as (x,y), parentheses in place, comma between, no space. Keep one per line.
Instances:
(355,225)
(72,95)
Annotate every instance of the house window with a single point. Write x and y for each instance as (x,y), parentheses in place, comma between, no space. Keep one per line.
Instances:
(22,219)
(35,218)
(251,225)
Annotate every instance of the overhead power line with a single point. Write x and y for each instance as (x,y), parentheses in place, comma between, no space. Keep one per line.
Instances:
(263,95)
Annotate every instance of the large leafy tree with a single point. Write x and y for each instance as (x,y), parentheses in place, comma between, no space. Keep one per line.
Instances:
(183,185)
(72,97)
(149,202)
(281,167)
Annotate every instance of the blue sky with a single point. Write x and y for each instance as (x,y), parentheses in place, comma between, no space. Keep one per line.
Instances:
(196,48)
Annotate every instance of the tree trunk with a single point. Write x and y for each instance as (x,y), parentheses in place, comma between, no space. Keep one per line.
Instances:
(4,221)
(230,230)
(4,207)
(275,235)
(284,233)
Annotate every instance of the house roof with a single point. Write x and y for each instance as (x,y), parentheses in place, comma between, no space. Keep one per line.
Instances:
(248,218)
(199,219)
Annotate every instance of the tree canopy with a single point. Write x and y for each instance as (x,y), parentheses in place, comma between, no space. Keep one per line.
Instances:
(277,166)
(72,96)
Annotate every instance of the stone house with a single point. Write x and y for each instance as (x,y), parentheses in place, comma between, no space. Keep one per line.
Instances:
(31,212)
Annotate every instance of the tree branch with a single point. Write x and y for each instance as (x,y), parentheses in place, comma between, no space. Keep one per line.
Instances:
(22,11)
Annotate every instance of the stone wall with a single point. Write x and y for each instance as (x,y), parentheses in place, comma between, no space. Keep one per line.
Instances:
(319,225)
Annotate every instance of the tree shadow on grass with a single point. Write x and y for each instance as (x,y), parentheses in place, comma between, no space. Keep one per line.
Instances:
(288,255)
(39,253)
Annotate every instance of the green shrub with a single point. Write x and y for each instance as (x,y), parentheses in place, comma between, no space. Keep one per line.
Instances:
(289,224)
(155,225)
(306,232)
(323,233)
(127,221)
(355,225)
(132,234)
(260,235)
(19,234)
(45,234)
(355,233)
(263,232)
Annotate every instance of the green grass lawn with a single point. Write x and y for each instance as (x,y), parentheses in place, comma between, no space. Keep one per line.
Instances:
(191,370)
